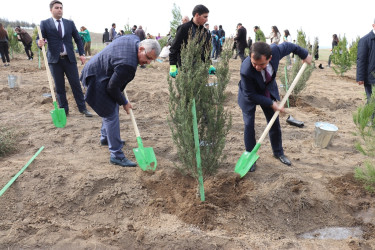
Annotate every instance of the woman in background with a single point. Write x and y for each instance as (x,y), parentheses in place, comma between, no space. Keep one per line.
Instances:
(287,38)
(275,35)
(335,42)
(85,34)
(4,45)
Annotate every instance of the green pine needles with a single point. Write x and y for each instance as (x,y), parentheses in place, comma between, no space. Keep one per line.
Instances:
(214,121)
(341,57)
(302,83)
(365,123)
(8,141)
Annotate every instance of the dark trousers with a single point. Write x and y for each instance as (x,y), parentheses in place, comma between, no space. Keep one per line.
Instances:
(274,133)
(241,53)
(111,132)
(28,51)
(4,51)
(71,72)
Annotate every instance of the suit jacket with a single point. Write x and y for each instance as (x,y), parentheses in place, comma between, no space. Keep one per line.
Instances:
(366,59)
(54,40)
(114,66)
(252,87)
(241,38)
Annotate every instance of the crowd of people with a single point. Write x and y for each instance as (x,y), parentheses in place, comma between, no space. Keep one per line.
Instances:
(107,74)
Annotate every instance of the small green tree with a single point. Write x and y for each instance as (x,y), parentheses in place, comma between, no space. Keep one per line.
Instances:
(176,21)
(14,45)
(127,28)
(213,121)
(302,83)
(364,120)
(341,57)
(163,41)
(353,49)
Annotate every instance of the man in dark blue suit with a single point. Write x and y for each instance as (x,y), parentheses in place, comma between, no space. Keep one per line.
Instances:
(258,87)
(58,33)
(106,76)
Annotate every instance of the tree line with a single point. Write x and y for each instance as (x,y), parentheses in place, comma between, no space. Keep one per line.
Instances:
(7,23)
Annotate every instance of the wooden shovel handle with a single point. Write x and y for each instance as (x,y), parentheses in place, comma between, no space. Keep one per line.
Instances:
(282,103)
(133,118)
(47,67)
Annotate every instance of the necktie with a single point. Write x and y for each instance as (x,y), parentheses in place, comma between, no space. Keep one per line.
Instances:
(268,80)
(60,33)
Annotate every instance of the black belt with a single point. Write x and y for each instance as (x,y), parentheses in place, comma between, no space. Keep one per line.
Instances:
(63,56)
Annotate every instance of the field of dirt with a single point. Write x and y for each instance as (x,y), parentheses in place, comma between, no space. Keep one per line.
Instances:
(71,197)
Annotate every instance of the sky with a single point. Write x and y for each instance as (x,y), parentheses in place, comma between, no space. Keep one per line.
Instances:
(318,18)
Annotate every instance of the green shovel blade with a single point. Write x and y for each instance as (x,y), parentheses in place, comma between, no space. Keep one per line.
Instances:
(247,160)
(145,157)
(58,116)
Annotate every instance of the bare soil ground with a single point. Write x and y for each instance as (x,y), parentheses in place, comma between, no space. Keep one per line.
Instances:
(70,197)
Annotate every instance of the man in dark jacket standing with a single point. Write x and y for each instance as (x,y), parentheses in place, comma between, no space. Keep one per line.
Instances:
(106,37)
(112,32)
(140,33)
(200,17)
(366,62)
(241,41)
(215,43)
(26,41)
(258,87)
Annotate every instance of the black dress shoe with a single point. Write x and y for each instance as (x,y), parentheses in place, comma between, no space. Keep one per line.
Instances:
(294,122)
(284,160)
(253,167)
(86,113)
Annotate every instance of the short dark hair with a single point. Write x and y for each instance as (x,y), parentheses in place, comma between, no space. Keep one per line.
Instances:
(259,49)
(200,9)
(239,24)
(220,26)
(52,3)
(256,27)
(113,24)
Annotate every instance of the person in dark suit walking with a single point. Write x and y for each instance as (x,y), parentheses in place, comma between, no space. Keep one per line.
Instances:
(241,41)
(58,33)
(258,87)
(106,76)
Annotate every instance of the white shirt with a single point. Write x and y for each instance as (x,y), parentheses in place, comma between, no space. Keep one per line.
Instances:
(269,70)
(63,32)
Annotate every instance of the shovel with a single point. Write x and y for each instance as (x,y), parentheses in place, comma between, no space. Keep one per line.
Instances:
(58,114)
(247,159)
(145,156)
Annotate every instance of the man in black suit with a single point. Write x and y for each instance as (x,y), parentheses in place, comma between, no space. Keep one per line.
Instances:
(258,87)
(241,40)
(58,33)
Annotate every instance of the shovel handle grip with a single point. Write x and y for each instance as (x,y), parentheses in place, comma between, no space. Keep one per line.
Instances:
(47,67)
(133,118)
(282,103)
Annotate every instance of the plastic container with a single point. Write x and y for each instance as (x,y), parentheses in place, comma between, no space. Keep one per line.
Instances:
(324,133)
(13,81)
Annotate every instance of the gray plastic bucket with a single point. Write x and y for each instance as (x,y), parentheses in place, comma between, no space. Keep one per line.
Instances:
(324,133)
(13,81)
